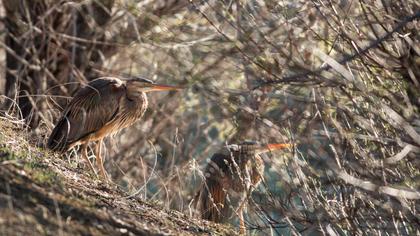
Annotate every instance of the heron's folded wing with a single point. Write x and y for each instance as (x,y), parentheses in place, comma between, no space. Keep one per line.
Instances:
(90,109)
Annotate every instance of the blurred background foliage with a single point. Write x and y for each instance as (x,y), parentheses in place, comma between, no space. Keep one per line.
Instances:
(337,78)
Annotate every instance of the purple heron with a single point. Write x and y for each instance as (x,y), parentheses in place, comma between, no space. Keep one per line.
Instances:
(231,173)
(103,107)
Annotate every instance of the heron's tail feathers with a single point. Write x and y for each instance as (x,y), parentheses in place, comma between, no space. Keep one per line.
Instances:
(58,140)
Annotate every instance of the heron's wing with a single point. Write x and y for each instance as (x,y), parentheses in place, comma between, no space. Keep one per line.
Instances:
(90,109)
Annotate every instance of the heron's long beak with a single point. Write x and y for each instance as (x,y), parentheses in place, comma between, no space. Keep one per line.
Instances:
(273,146)
(162,87)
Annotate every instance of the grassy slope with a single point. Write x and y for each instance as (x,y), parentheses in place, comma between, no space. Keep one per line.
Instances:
(41,194)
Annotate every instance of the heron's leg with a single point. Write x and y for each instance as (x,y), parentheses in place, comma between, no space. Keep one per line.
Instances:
(85,156)
(99,160)
(247,182)
(242,202)
(242,229)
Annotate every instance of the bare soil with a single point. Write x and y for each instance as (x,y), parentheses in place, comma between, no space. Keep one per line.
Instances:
(42,194)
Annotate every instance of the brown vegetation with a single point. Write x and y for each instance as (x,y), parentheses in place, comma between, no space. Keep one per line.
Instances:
(338,78)
(41,194)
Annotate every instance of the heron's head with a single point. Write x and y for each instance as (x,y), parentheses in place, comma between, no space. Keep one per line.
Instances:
(139,84)
(252,147)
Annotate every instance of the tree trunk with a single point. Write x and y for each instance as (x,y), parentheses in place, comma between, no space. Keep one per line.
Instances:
(50,49)
(54,46)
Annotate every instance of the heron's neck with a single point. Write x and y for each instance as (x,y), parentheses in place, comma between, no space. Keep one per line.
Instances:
(145,102)
(138,103)
(141,103)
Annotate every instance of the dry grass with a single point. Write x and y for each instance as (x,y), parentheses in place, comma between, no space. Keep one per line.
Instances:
(42,194)
(338,77)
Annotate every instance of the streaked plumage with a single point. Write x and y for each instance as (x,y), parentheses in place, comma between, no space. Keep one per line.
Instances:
(104,106)
(232,173)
